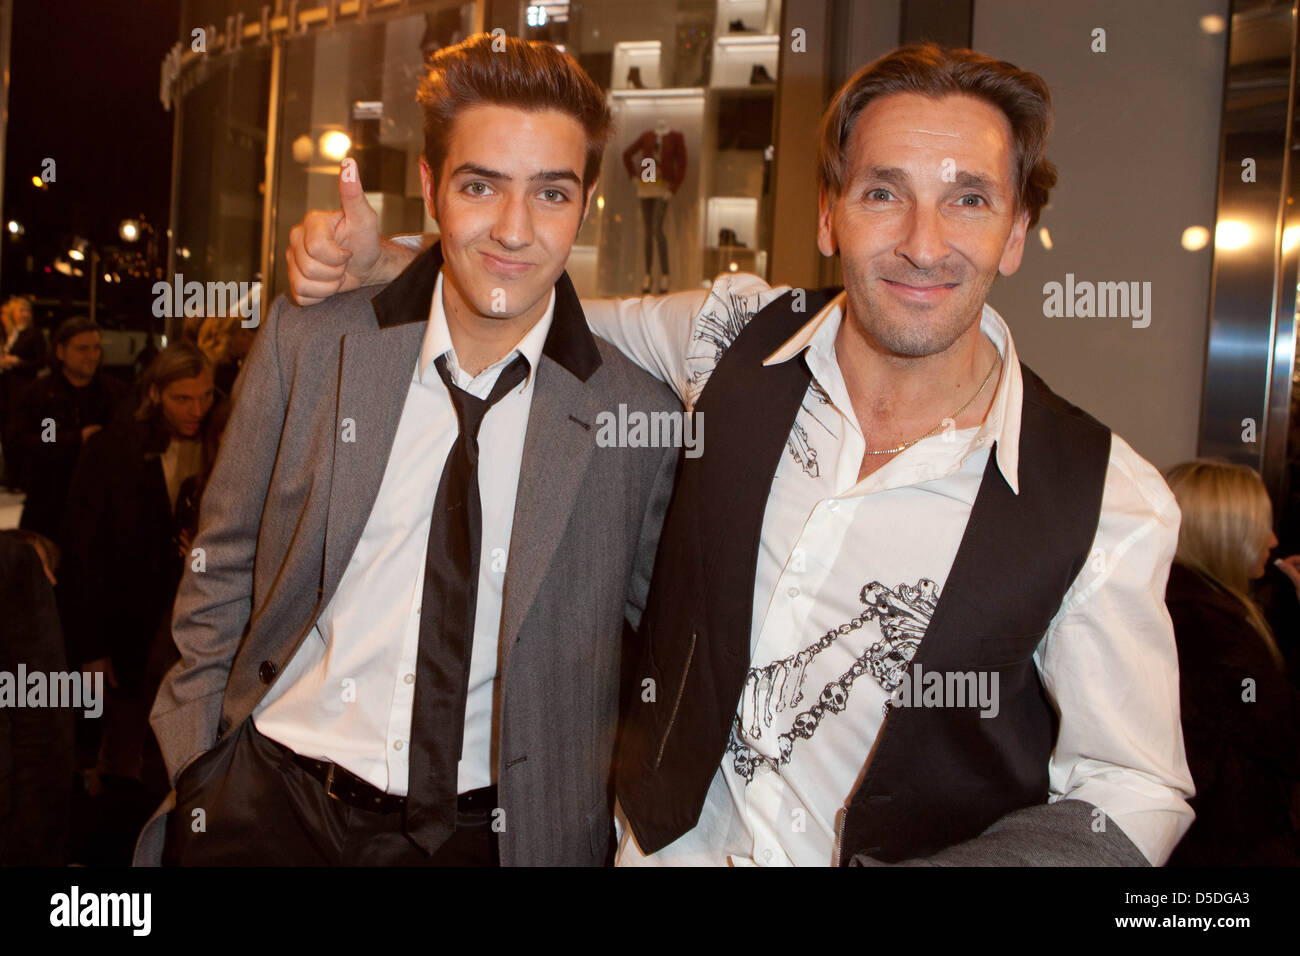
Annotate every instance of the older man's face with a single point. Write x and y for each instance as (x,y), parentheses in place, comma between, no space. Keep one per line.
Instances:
(926,218)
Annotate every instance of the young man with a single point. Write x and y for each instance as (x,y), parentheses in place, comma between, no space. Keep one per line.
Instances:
(401,630)
(910,605)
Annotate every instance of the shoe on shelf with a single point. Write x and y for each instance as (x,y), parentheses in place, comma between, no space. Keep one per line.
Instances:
(737,26)
(634,78)
(759,76)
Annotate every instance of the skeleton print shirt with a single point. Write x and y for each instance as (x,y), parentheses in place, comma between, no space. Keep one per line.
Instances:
(849,574)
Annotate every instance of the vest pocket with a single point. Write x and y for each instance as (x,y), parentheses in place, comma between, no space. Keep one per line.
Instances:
(998,651)
(677,700)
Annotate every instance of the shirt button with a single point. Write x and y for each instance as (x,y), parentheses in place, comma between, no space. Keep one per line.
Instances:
(397,745)
(419,609)
(409,678)
(832,504)
(793,592)
(767,856)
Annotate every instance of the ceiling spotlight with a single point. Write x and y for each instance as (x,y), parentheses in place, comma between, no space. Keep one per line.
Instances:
(335,145)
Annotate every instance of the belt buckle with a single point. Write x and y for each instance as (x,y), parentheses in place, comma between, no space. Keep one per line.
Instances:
(329,783)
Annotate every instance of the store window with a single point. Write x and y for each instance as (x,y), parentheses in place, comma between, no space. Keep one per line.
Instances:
(223,169)
(685,187)
(351,93)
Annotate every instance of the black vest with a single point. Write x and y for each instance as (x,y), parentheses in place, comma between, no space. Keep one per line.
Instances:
(937,775)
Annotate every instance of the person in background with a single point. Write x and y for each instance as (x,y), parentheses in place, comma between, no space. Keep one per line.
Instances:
(23,349)
(56,415)
(225,342)
(36,743)
(22,352)
(1240,714)
(123,556)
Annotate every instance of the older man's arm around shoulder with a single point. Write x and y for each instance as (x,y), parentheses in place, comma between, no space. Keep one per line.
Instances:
(1118,775)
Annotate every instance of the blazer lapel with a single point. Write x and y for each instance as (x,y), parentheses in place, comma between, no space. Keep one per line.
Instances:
(557,449)
(375,371)
(374,379)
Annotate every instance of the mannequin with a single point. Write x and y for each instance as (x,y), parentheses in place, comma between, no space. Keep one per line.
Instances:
(656,160)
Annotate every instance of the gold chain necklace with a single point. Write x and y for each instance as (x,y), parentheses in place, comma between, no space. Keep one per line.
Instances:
(908,444)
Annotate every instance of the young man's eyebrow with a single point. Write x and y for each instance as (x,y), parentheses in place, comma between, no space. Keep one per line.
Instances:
(475,170)
(557,175)
(547,175)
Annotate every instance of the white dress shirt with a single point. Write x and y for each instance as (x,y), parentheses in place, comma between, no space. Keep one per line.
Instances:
(1108,660)
(346,694)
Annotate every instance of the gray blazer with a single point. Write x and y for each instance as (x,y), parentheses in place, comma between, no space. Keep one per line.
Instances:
(288,500)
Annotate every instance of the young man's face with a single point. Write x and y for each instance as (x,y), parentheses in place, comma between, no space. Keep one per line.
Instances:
(185,402)
(926,218)
(509,203)
(80,355)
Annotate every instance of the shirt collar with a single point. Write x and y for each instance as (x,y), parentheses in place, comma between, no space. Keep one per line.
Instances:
(570,343)
(1001,425)
(437,341)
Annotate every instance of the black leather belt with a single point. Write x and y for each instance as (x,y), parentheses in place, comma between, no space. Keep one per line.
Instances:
(343,784)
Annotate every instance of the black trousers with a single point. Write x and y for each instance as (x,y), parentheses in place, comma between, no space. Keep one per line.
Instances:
(248,803)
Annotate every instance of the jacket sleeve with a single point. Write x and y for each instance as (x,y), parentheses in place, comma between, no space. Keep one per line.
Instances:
(638,587)
(1065,833)
(629,155)
(214,601)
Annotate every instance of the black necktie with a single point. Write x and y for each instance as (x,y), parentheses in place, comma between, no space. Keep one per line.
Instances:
(447,620)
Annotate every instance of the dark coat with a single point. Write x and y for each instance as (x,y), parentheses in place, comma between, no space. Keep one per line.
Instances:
(121,559)
(1244,755)
(30,348)
(36,743)
(45,467)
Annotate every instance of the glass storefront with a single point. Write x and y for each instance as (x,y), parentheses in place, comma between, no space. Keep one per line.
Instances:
(685,188)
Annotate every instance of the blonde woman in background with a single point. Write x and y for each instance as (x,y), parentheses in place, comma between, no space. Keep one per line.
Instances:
(225,342)
(1240,714)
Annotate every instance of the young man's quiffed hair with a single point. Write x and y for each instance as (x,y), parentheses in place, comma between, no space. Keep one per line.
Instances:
(935,71)
(508,71)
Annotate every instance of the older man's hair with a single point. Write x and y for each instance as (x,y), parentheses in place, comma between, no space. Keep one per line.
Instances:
(934,71)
